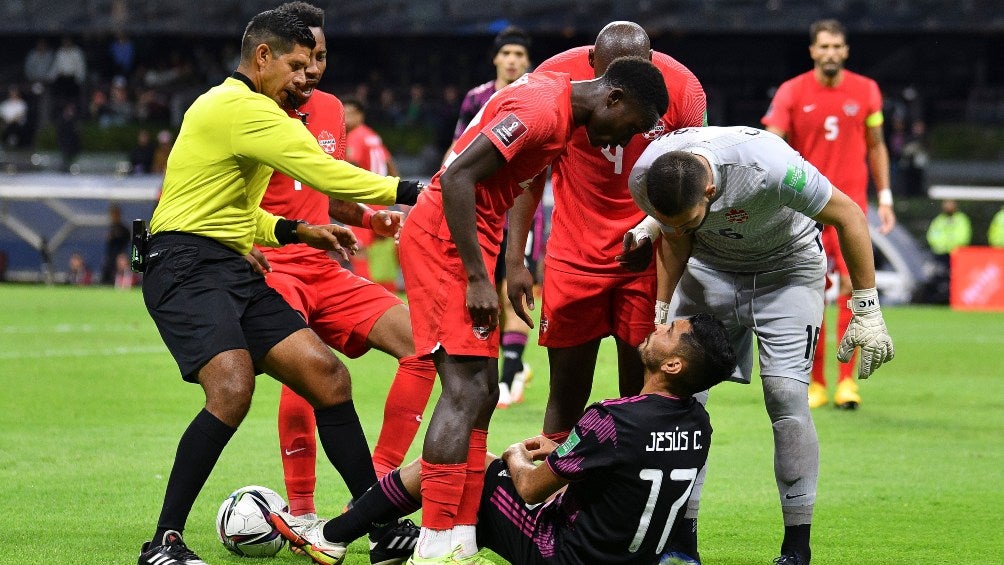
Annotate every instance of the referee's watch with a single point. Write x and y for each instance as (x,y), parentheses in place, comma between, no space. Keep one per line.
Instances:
(285,231)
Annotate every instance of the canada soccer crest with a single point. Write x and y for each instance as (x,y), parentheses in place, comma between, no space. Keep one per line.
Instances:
(327,142)
(659,129)
(736,216)
(851,108)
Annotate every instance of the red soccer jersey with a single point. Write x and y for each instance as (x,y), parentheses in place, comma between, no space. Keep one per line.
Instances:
(828,126)
(290,199)
(592,205)
(366,150)
(529,122)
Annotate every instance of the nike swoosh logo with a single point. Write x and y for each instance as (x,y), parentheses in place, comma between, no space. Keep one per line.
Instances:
(808,107)
(292,451)
(790,496)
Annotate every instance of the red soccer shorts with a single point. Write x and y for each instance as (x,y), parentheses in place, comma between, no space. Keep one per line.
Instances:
(436,283)
(338,305)
(579,308)
(831,247)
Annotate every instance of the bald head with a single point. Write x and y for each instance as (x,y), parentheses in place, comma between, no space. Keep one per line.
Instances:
(618,39)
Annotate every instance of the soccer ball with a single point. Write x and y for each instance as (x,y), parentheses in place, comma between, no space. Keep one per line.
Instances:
(242,523)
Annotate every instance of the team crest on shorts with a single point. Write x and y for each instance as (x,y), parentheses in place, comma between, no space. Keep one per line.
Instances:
(481,332)
(509,130)
(736,216)
(543,323)
(327,142)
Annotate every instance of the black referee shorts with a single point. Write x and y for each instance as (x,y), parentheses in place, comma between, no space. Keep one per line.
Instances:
(206,298)
(506,524)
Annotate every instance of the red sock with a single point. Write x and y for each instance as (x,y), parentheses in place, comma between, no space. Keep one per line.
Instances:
(402,413)
(298,450)
(819,357)
(558,437)
(442,489)
(467,514)
(844,315)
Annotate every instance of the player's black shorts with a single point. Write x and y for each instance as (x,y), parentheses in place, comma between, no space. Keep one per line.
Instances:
(528,260)
(206,298)
(506,524)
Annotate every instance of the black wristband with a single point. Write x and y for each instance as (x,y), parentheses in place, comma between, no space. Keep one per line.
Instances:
(285,231)
(408,191)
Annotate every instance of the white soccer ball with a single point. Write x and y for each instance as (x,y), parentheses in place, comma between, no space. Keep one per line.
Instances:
(242,523)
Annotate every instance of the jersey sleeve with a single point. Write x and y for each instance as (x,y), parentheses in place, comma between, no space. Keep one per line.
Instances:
(695,106)
(519,125)
(468,109)
(799,183)
(874,117)
(591,445)
(265,228)
(274,139)
(779,112)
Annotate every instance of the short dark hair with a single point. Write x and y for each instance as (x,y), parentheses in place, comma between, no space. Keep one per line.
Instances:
(830,25)
(642,82)
(675,182)
(709,354)
(308,13)
(355,103)
(511,35)
(279,29)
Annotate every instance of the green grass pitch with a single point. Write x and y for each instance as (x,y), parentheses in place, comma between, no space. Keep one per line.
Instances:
(91,409)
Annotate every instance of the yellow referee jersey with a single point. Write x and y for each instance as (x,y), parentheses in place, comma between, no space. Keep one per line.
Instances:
(230,141)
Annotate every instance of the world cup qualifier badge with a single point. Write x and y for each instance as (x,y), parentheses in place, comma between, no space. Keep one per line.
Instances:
(509,130)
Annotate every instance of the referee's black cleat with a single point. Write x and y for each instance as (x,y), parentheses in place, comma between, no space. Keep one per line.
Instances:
(791,559)
(171,551)
(395,544)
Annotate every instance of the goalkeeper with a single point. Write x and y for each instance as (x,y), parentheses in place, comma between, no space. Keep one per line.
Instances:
(740,212)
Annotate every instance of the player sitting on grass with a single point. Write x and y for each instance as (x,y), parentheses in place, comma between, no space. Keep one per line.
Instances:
(629,466)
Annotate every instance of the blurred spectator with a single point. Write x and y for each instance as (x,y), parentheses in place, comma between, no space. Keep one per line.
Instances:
(120,110)
(116,243)
(125,278)
(995,235)
(949,230)
(141,156)
(389,110)
(444,117)
(38,62)
(78,272)
(165,141)
(3,265)
(913,160)
(14,119)
(123,54)
(68,134)
(152,105)
(68,72)
(415,114)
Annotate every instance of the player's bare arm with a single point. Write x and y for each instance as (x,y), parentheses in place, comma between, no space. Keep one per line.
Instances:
(383,222)
(519,280)
(534,483)
(478,161)
(878,164)
(673,254)
(777,131)
(852,230)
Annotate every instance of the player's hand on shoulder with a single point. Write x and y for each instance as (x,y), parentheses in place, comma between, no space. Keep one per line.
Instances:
(387,223)
(867,330)
(329,237)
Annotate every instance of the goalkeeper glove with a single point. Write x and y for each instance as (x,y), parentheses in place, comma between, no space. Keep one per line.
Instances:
(867,330)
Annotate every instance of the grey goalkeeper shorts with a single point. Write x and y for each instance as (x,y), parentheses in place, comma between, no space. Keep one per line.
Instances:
(783,308)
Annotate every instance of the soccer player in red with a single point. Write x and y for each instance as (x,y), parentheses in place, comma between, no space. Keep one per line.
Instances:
(348,312)
(365,149)
(833,117)
(587,294)
(448,250)
(511,58)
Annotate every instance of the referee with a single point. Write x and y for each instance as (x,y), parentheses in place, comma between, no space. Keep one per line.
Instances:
(219,319)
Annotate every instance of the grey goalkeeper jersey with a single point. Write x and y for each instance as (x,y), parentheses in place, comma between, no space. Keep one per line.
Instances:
(760,218)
